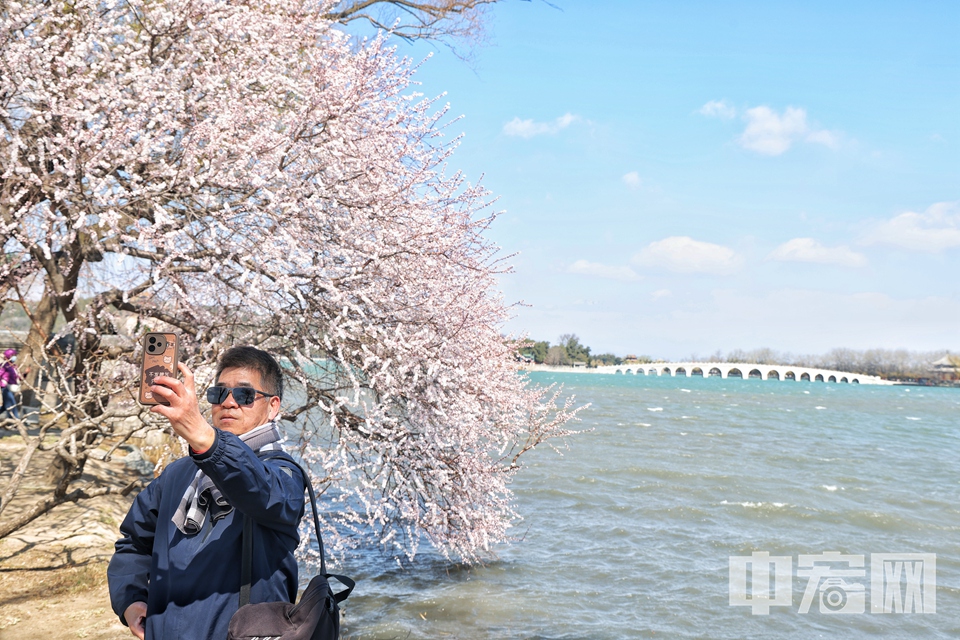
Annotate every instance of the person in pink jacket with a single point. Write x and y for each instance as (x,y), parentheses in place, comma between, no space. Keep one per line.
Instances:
(9,383)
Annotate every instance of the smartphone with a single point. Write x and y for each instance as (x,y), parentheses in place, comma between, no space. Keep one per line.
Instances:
(161,354)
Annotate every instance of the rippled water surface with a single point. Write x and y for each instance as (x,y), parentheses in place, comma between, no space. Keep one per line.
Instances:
(628,534)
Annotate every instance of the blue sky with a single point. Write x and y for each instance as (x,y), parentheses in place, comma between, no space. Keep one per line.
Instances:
(682,177)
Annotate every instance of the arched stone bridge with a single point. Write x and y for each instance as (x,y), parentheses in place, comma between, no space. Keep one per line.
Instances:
(741,370)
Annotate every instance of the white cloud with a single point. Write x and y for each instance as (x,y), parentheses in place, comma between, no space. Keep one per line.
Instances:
(824,137)
(529,128)
(661,293)
(610,272)
(934,230)
(632,180)
(771,133)
(718,109)
(809,250)
(683,254)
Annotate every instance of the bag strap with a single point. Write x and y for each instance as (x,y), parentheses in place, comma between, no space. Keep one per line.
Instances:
(246,567)
(247,562)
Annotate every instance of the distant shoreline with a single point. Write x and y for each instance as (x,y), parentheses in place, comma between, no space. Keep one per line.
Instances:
(606,371)
(561,369)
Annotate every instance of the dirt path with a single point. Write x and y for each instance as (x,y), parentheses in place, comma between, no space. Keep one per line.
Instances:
(53,572)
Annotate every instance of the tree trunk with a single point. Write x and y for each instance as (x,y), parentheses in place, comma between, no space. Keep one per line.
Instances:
(32,362)
(47,504)
(14,484)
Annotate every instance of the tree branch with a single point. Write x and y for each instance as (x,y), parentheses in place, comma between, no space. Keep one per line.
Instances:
(47,504)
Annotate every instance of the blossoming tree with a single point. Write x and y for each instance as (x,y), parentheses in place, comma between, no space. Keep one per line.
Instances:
(245,172)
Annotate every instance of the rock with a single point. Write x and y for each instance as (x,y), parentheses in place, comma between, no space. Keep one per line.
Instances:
(154,438)
(135,460)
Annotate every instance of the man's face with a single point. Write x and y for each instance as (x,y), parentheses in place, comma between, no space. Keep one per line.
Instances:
(237,419)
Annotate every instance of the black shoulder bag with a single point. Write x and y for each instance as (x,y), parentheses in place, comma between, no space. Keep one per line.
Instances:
(315,617)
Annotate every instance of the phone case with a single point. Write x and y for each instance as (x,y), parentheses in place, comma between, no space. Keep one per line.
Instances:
(161,353)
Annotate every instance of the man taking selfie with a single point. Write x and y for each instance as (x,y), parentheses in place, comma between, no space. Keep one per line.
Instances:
(176,569)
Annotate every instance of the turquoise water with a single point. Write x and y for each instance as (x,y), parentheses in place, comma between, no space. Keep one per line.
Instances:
(628,534)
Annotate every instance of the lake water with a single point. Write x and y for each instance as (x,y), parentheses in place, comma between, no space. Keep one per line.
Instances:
(630,532)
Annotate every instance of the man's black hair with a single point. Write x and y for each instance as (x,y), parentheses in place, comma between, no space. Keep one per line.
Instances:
(260,361)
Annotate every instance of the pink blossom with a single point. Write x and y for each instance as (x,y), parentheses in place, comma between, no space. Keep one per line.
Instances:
(247,173)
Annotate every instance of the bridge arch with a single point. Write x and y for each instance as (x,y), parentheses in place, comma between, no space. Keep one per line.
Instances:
(740,370)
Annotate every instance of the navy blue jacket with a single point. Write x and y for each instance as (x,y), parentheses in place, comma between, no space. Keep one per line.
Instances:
(191,584)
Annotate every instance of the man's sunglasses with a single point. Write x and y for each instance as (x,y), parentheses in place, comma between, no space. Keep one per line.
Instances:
(243,396)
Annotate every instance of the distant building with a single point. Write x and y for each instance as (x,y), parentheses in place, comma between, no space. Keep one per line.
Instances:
(946,368)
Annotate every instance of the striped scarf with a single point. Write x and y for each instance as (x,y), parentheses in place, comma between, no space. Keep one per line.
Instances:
(202,496)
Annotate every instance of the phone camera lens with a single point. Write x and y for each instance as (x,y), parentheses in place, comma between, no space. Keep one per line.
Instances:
(155,344)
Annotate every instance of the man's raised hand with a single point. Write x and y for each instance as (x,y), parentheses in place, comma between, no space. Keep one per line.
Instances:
(183,409)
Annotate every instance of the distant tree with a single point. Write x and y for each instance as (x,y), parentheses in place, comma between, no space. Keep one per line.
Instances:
(557,356)
(535,350)
(763,356)
(539,351)
(605,359)
(843,359)
(576,352)
(752,356)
